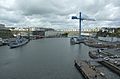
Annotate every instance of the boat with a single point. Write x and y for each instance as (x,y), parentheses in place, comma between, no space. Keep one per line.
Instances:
(95,54)
(76,40)
(88,71)
(18,42)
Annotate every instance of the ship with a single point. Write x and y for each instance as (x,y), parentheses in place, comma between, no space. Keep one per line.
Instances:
(20,41)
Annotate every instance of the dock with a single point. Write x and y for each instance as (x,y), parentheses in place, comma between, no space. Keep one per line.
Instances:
(111,66)
(106,62)
(88,71)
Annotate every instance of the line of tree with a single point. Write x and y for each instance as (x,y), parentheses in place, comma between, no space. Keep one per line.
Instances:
(5,33)
(116,33)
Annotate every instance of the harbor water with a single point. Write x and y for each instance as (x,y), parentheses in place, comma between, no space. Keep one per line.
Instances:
(49,58)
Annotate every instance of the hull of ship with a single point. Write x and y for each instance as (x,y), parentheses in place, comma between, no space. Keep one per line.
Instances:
(18,45)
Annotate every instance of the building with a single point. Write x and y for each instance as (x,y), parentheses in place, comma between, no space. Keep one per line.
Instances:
(109,34)
(109,30)
(37,32)
(2,26)
(34,32)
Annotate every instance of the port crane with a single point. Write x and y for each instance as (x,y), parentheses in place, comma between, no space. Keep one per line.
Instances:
(80,18)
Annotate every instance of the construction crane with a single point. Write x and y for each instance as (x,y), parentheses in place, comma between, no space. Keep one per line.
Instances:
(80,21)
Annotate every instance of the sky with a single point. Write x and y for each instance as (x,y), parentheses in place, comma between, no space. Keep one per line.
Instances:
(57,13)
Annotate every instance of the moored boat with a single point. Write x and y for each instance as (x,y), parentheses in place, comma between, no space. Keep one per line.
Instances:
(18,42)
(76,40)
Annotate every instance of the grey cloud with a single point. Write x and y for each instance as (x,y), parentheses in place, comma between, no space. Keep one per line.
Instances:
(35,6)
(43,7)
(10,16)
(57,13)
(6,8)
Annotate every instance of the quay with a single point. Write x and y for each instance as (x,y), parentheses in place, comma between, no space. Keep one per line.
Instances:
(106,61)
(98,44)
(111,66)
(88,71)
(91,42)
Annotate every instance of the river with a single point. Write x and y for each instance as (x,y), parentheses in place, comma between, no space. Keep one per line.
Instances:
(49,58)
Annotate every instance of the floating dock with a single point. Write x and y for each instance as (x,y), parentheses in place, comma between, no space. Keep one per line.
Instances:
(88,71)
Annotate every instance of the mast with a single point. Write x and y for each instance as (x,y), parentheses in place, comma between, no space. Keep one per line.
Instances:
(80,25)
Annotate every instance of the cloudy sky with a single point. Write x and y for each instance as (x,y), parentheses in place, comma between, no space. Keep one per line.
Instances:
(57,13)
